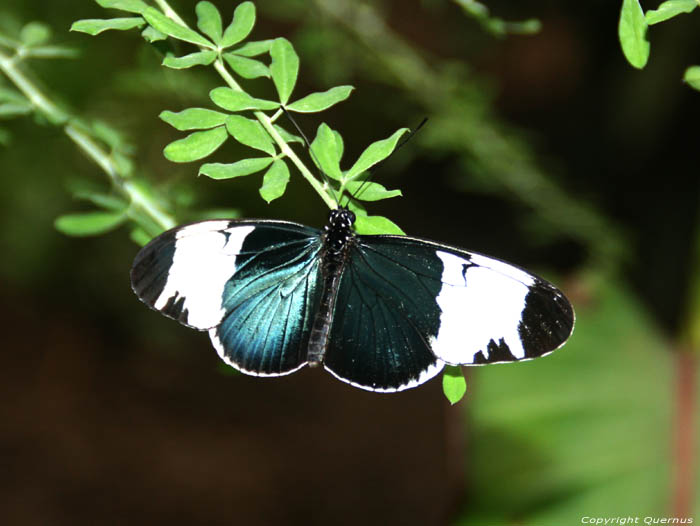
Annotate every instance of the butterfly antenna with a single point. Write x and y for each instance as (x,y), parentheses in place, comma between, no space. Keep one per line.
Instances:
(401,143)
(317,163)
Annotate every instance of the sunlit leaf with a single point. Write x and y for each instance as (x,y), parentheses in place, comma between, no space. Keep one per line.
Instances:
(169,27)
(275,181)
(453,383)
(209,20)
(200,58)
(233,100)
(195,146)
(321,101)
(241,25)
(250,132)
(632,31)
(327,151)
(373,225)
(88,223)
(692,77)
(286,136)
(97,26)
(669,9)
(237,169)
(370,191)
(151,34)
(194,119)
(253,49)
(284,67)
(247,68)
(375,153)
(132,6)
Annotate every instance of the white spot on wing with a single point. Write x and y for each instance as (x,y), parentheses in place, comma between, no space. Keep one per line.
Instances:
(424,376)
(203,261)
(482,304)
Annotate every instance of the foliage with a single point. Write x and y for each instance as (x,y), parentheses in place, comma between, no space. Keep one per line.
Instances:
(634,23)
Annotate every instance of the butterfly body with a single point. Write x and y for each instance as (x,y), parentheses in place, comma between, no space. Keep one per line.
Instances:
(383,313)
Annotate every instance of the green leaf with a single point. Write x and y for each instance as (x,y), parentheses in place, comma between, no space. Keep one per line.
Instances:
(692,77)
(233,100)
(375,153)
(321,101)
(373,225)
(200,58)
(250,132)
(5,137)
(12,95)
(327,150)
(9,110)
(237,169)
(241,25)
(370,191)
(253,49)
(132,6)
(453,383)
(247,67)
(196,145)
(108,134)
(669,9)
(88,223)
(217,213)
(139,236)
(275,181)
(35,34)
(150,34)
(194,119)
(284,67)
(632,33)
(96,26)
(209,20)
(286,136)
(165,25)
(53,52)
(107,201)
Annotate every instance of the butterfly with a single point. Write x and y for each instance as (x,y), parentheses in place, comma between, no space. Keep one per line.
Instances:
(381,312)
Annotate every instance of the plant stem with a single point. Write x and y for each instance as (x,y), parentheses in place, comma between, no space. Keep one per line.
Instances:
(263,118)
(87,143)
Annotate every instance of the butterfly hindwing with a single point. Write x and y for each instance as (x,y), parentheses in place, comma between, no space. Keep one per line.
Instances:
(418,299)
(252,284)
(270,304)
(379,336)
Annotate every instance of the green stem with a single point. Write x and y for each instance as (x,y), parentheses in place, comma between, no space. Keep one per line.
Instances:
(42,104)
(263,118)
(85,142)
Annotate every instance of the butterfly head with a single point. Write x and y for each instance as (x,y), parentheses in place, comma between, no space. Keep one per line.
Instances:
(339,229)
(341,218)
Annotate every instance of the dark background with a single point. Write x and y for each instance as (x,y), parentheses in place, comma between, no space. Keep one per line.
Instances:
(547,150)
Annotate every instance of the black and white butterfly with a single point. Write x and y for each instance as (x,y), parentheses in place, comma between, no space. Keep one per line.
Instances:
(380,312)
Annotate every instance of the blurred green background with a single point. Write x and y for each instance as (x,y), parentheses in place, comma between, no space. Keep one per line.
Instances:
(547,150)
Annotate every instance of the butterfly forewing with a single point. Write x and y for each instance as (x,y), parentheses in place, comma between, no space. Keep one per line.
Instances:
(466,308)
(254,284)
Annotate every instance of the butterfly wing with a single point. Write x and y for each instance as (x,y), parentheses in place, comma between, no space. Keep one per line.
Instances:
(254,285)
(407,305)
